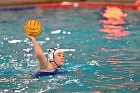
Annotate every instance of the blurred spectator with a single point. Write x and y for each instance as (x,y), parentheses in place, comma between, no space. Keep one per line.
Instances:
(113,13)
(114,17)
(137,3)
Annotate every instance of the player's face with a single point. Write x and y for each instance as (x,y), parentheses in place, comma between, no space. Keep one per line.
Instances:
(59,57)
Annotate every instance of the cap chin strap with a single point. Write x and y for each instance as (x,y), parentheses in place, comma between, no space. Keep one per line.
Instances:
(57,65)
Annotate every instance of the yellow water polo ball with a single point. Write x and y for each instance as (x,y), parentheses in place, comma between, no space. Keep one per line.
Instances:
(32,28)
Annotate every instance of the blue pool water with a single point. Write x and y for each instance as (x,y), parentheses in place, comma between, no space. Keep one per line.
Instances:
(96,61)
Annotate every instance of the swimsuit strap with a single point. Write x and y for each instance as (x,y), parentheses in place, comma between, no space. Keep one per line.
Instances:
(40,74)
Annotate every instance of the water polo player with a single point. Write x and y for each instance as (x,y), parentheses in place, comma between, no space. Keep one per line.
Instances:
(50,66)
(32,29)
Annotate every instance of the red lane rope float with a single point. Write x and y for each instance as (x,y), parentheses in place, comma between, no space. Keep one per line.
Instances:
(104,5)
(70,5)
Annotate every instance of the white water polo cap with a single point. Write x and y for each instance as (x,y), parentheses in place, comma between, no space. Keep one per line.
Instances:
(51,54)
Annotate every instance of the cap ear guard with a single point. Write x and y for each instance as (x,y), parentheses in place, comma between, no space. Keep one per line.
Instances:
(51,54)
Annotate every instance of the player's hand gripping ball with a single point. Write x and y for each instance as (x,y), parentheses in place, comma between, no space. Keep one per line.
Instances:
(32,28)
